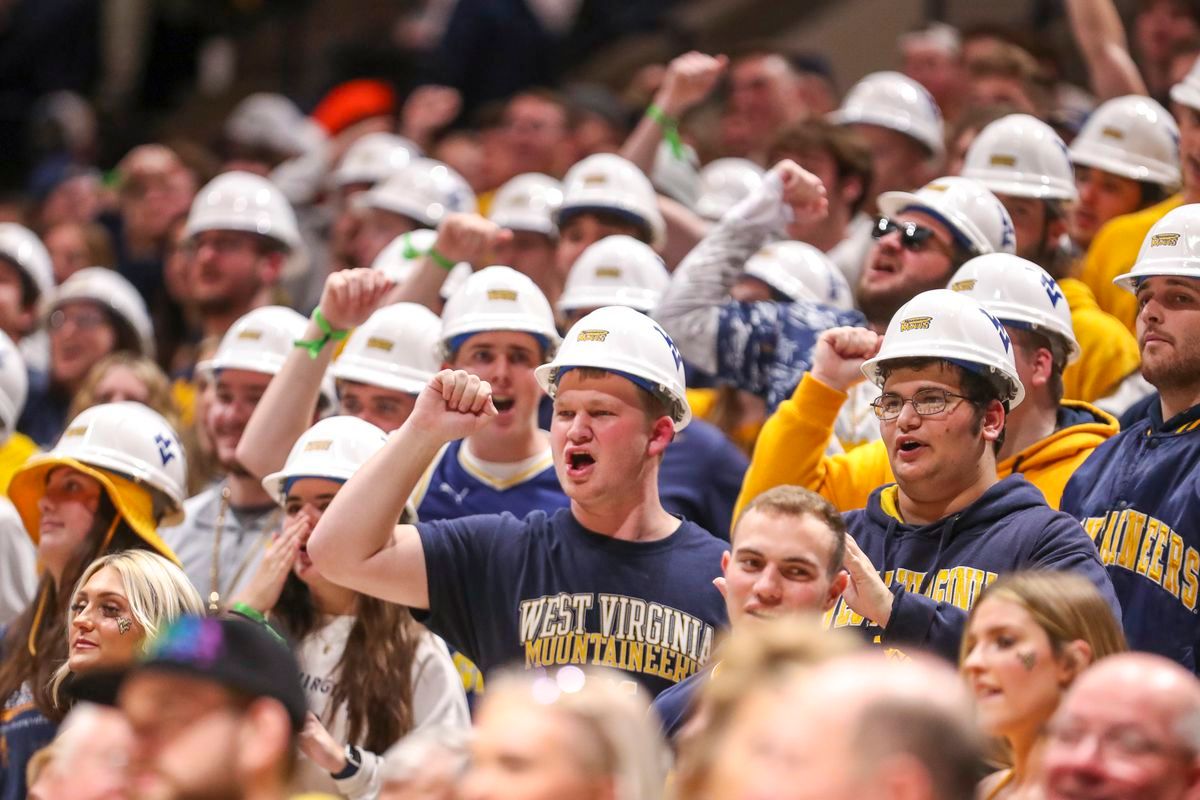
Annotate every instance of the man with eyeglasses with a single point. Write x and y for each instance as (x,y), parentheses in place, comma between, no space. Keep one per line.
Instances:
(1046,438)
(1128,729)
(925,546)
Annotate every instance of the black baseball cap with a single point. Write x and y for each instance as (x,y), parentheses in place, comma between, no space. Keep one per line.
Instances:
(239,654)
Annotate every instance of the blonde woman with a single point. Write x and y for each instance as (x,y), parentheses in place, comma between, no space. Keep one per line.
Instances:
(582,734)
(121,602)
(1026,640)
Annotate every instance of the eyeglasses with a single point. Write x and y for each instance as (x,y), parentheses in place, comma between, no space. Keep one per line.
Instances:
(83,319)
(913,237)
(925,402)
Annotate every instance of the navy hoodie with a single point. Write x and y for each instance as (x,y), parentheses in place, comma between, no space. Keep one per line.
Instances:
(1138,496)
(937,571)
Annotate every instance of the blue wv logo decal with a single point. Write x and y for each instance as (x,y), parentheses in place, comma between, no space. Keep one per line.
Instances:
(166,448)
(1052,290)
(670,343)
(1000,330)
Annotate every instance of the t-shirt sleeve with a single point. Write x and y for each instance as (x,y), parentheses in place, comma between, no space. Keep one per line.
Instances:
(460,557)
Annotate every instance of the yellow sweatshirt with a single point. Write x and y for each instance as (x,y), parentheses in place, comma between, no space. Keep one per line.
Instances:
(13,453)
(791,450)
(1109,352)
(1113,252)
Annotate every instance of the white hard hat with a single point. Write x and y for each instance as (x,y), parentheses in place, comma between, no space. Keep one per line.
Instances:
(133,440)
(895,101)
(1021,156)
(953,327)
(607,182)
(497,299)
(396,348)
(243,201)
(108,289)
(615,271)
(373,158)
(677,177)
(724,182)
(14,386)
(1171,248)
(975,216)
(801,272)
(621,340)
(1133,137)
(1019,293)
(425,191)
(1187,91)
(22,246)
(268,120)
(259,341)
(527,203)
(332,449)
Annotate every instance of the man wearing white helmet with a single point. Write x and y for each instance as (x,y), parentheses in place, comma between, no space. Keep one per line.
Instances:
(765,347)
(26,274)
(1138,496)
(240,232)
(1046,438)
(1026,164)
(526,205)
(371,159)
(947,526)
(612,580)
(702,469)
(418,196)
(18,560)
(901,124)
(94,312)
(1115,246)
(224,535)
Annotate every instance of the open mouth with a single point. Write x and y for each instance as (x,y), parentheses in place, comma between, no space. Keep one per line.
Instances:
(503,403)
(580,460)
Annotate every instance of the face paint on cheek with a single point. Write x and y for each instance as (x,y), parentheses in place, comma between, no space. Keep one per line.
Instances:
(123,625)
(1028,660)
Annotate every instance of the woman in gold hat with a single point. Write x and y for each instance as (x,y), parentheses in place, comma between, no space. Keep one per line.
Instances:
(117,472)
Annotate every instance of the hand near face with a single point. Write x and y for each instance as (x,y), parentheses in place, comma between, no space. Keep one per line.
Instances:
(840,353)
(866,593)
(453,405)
(352,295)
(262,592)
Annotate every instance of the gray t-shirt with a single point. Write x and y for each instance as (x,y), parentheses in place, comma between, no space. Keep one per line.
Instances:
(244,537)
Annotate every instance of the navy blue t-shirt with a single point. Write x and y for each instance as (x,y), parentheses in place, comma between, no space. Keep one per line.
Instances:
(544,591)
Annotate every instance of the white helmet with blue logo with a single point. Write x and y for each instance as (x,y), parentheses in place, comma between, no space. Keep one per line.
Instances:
(950,326)
(629,343)
(976,217)
(1019,293)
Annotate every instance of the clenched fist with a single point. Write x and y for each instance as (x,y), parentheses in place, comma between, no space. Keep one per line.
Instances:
(840,353)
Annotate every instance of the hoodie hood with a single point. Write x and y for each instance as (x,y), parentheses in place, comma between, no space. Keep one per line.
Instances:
(1004,498)
(1080,429)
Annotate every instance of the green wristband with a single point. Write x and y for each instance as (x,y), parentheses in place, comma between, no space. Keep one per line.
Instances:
(440,259)
(670,127)
(314,346)
(248,612)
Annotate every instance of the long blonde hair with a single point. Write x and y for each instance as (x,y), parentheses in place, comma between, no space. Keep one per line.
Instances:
(157,591)
(1066,606)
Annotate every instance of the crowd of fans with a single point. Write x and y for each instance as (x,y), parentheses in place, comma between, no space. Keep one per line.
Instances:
(768,442)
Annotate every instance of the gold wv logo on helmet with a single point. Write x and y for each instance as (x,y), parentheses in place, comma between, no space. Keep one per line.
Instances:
(502,294)
(318,444)
(962,286)
(915,324)
(376,343)
(1164,240)
(608,272)
(1002,160)
(592,336)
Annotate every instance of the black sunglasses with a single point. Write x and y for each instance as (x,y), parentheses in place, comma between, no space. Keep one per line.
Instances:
(912,236)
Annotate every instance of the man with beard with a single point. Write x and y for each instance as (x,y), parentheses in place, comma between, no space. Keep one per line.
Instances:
(225,532)
(1137,495)
(765,347)
(240,232)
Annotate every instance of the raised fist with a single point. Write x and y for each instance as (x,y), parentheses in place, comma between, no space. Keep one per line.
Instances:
(689,79)
(453,405)
(352,295)
(802,190)
(469,237)
(840,353)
